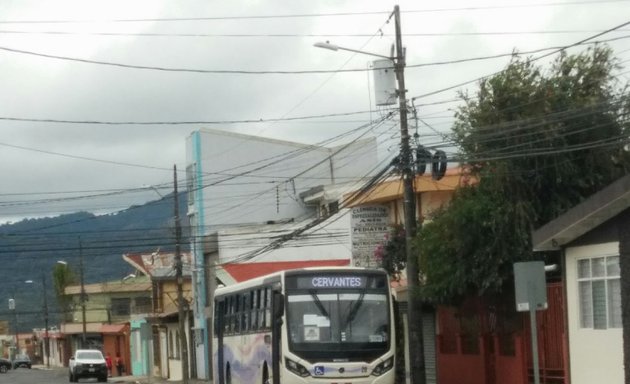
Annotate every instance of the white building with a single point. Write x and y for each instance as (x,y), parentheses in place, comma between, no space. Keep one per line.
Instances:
(590,236)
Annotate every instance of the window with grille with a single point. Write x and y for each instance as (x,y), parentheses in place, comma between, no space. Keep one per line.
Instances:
(121,307)
(142,305)
(599,292)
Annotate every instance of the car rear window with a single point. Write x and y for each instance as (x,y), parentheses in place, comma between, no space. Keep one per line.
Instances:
(96,355)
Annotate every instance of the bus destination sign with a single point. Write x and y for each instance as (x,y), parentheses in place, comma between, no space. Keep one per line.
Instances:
(331,281)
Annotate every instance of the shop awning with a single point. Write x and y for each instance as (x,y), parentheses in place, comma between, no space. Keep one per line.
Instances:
(113,328)
(74,328)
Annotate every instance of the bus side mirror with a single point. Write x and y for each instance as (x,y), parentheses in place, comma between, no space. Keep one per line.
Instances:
(278,305)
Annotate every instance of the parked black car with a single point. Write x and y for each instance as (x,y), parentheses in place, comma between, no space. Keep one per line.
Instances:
(22,361)
(5,365)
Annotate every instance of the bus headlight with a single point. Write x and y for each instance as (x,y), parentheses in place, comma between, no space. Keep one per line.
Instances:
(383,367)
(296,368)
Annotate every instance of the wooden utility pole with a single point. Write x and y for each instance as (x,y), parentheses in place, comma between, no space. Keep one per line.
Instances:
(181,302)
(414,309)
(83,297)
(46,340)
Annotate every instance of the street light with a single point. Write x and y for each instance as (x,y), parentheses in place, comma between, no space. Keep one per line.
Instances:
(334,47)
(414,309)
(46,340)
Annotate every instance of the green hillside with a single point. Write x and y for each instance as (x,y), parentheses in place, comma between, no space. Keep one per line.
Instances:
(30,248)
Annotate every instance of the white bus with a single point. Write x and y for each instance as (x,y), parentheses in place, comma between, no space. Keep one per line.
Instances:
(316,325)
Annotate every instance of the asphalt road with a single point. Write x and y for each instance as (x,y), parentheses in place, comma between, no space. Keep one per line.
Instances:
(38,376)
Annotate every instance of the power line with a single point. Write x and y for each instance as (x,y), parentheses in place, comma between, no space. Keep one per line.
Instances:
(191,122)
(300,35)
(583,41)
(309,15)
(269,72)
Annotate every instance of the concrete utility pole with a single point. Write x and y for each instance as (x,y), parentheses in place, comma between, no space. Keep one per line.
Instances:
(83,297)
(414,310)
(181,303)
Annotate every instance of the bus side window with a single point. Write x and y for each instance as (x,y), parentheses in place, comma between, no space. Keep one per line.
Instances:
(261,309)
(230,316)
(268,307)
(254,319)
(263,303)
(246,313)
(237,313)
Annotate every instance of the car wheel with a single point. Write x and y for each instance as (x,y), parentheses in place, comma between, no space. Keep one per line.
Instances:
(102,379)
(3,369)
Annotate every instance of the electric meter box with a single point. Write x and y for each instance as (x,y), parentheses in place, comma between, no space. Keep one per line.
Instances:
(384,82)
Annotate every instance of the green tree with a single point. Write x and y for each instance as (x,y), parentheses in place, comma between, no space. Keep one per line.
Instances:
(391,253)
(63,276)
(537,141)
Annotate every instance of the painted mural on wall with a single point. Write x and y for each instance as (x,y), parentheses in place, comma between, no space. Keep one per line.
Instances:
(369,227)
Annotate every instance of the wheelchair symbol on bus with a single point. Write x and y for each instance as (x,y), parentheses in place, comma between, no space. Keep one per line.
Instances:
(319,370)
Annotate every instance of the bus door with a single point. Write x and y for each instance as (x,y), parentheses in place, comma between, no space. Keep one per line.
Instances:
(219,327)
(276,341)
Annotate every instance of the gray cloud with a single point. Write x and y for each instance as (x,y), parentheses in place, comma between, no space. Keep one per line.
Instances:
(44,88)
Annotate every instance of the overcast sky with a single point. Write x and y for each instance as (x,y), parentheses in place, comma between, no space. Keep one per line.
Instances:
(44,161)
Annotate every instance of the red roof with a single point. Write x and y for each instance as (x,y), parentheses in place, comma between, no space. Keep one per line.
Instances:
(246,271)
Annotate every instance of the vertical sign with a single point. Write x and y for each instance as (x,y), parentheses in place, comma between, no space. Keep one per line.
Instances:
(530,288)
(369,225)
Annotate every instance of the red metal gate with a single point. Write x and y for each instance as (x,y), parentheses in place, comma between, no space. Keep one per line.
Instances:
(552,345)
(485,341)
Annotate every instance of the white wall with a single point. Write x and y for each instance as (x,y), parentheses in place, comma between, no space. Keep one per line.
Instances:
(329,240)
(249,179)
(596,355)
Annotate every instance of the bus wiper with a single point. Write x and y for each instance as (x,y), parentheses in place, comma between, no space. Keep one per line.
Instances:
(354,309)
(318,303)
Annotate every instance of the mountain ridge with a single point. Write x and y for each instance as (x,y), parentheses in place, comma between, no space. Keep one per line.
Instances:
(30,248)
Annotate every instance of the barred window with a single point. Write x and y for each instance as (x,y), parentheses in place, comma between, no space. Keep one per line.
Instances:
(599,292)
(121,307)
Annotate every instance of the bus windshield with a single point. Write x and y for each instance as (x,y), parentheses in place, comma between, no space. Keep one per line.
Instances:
(343,321)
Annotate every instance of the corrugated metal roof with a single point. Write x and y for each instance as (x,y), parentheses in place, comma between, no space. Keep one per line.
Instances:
(136,284)
(584,217)
(245,271)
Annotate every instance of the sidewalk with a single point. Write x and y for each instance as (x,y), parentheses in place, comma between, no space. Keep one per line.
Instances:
(132,379)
